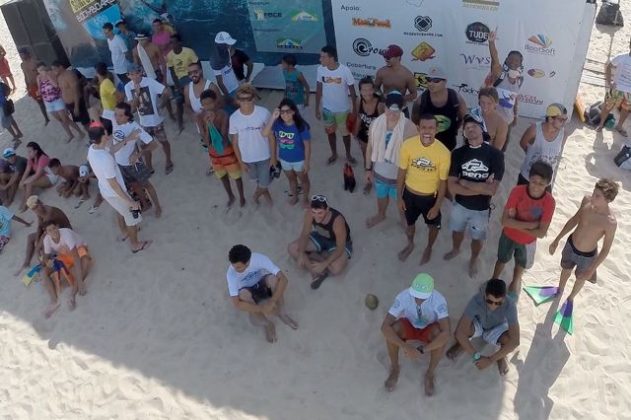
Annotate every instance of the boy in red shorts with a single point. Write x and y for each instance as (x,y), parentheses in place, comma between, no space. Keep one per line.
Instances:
(212,123)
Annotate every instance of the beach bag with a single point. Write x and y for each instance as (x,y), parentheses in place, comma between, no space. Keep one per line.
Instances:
(349,178)
(609,14)
(592,115)
(622,156)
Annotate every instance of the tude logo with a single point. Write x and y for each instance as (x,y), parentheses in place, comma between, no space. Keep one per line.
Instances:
(364,48)
(540,44)
(477,32)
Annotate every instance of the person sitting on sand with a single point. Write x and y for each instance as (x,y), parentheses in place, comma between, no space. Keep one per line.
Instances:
(527,216)
(419,313)
(492,315)
(324,246)
(212,124)
(44,215)
(10,178)
(593,220)
(65,245)
(70,175)
(6,217)
(257,286)
(37,173)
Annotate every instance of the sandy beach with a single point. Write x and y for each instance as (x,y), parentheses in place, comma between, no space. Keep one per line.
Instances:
(157,338)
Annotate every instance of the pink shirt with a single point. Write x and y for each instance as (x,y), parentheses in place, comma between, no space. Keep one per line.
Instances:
(40,163)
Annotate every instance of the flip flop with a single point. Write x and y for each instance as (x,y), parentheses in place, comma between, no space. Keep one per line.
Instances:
(168,169)
(143,246)
(622,131)
(331,160)
(317,280)
(352,161)
(79,204)
(92,210)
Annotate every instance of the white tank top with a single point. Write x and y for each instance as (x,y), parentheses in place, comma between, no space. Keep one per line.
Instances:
(542,149)
(507,93)
(196,104)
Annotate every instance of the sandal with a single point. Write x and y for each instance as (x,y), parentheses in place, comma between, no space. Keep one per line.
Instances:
(317,280)
(622,131)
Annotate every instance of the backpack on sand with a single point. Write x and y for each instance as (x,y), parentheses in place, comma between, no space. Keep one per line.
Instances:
(609,14)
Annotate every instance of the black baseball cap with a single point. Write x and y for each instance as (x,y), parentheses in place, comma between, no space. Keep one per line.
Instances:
(394,101)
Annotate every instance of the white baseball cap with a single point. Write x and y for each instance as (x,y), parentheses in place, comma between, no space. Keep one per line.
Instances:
(224,38)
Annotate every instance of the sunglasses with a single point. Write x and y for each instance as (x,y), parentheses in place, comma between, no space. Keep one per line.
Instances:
(286,111)
(318,197)
(245,99)
(562,119)
(494,302)
(435,80)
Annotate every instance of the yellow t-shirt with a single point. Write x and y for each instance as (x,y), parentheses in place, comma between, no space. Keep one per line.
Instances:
(181,61)
(426,166)
(107,91)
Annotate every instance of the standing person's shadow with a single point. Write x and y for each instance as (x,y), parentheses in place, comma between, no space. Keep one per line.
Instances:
(543,365)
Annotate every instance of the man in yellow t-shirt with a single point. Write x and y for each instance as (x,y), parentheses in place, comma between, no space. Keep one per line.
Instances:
(108,94)
(178,60)
(422,183)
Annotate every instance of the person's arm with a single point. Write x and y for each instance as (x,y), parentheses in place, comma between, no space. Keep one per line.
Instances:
(223,125)
(528,138)
(78,270)
(391,336)
(571,223)
(379,82)
(25,175)
(200,120)
(234,139)
(496,65)
(442,338)
(305,85)
(307,165)
(608,81)
(221,100)
(462,334)
(248,307)
(303,240)
(456,187)
(442,189)
(20,220)
(501,135)
(267,130)
(411,88)
(358,121)
(113,183)
(400,187)
(221,84)
(480,188)
(176,84)
(368,159)
(14,179)
(249,65)
(318,98)
(508,220)
(513,343)
(351,89)
(76,92)
(515,111)
(39,171)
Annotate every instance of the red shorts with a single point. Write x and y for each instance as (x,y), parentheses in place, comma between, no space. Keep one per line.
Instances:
(412,333)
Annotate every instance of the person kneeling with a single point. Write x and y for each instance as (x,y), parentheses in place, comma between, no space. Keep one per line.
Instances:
(256,285)
(492,315)
(418,313)
(324,246)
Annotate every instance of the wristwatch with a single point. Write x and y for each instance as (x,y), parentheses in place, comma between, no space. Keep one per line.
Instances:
(476,356)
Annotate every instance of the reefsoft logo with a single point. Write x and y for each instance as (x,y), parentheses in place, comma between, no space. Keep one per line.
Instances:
(540,44)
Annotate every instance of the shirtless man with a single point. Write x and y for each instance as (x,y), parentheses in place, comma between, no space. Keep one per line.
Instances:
(72,94)
(494,124)
(593,220)
(29,68)
(70,175)
(44,215)
(395,76)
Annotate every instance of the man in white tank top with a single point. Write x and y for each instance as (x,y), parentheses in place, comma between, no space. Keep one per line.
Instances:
(544,141)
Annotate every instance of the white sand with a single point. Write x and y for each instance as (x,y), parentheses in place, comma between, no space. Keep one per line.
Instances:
(156,337)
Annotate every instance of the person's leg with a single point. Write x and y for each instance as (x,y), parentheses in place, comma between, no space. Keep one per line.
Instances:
(225,181)
(382,206)
(515,286)
(259,319)
(272,283)
(179,102)
(42,108)
(62,117)
(148,186)
(458,220)
(332,145)
(293,250)
(31,244)
(412,213)
(608,106)
(49,285)
(347,148)
(166,148)
(339,264)
(565,275)
(305,184)
(432,234)
(239,182)
(476,248)
(293,186)
(456,240)
(409,247)
(502,364)
(393,355)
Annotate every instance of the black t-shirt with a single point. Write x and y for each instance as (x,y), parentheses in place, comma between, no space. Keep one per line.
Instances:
(238,59)
(446,116)
(476,165)
(19,166)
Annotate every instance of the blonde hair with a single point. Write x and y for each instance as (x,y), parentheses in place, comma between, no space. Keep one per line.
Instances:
(247,89)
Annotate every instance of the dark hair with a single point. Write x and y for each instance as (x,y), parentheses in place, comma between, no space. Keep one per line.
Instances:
(157,20)
(96,133)
(490,92)
(108,26)
(496,287)
(198,64)
(36,147)
(426,117)
(101,69)
(49,222)
(127,108)
(367,80)
(515,52)
(300,122)
(54,163)
(42,64)
(330,51)
(542,169)
(208,94)
(239,254)
(177,37)
(290,59)
(56,63)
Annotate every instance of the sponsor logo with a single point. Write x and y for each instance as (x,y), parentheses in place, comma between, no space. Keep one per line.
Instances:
(465,88)
(423,24)
(477,33)
(304,17)
(536,73)
(475,61)
(421,80)
(475,169)
(416,3)
(540,44)
(372,22)
(360,66)
(481,4)
(263,15)
(552,74)
(349,8)
(423,52)
(289,43)
(423,164)
(530,99)
(364,48)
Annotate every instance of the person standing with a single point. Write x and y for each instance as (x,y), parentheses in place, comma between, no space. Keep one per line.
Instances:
(476,171)
(7,109)
(112,187)
(394,76)
(240,61)
(108,94)
(146,95)
(5,70)
(178,60)
(447,105)
(296,86)
(419,313)
(422,183)
(255,152)
(29,69)
(369,108)
(618,87)
(72,95)
(385,137)
(493,123)
(544,141)
(224,73)
(334,82)
(118,52)
(128,36)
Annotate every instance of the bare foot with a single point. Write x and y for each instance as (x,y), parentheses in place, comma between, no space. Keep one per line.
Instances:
(242,202)
(288,321)
(69,139)
(230,201)
(331,159)
(451,254)
(454,351)
(367,188)
(72,302)
(427,255)
(82,290)
(51,309)
(19,270)
(392,380)
(46,121)
(143,245)
(502,366)
(121,238)
(270,332)
(429,384)
(473,267)
(293,199)
(158,212)
(375,220)
(405,252)
(306,204)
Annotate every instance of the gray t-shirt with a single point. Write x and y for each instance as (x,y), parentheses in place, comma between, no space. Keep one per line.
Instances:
(488,319)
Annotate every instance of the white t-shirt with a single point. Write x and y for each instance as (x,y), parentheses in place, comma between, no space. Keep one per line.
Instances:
(622,73)
(258,267)
(148,100)
(104,167)
(68,240)
(118,50)
(253,145)
(431,310)
(229,78)
(335,85)
(119,132)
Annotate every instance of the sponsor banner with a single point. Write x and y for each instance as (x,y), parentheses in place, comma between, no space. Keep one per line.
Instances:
(287,26)
(453,34)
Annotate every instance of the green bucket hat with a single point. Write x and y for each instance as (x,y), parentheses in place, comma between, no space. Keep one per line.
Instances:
(422,286)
